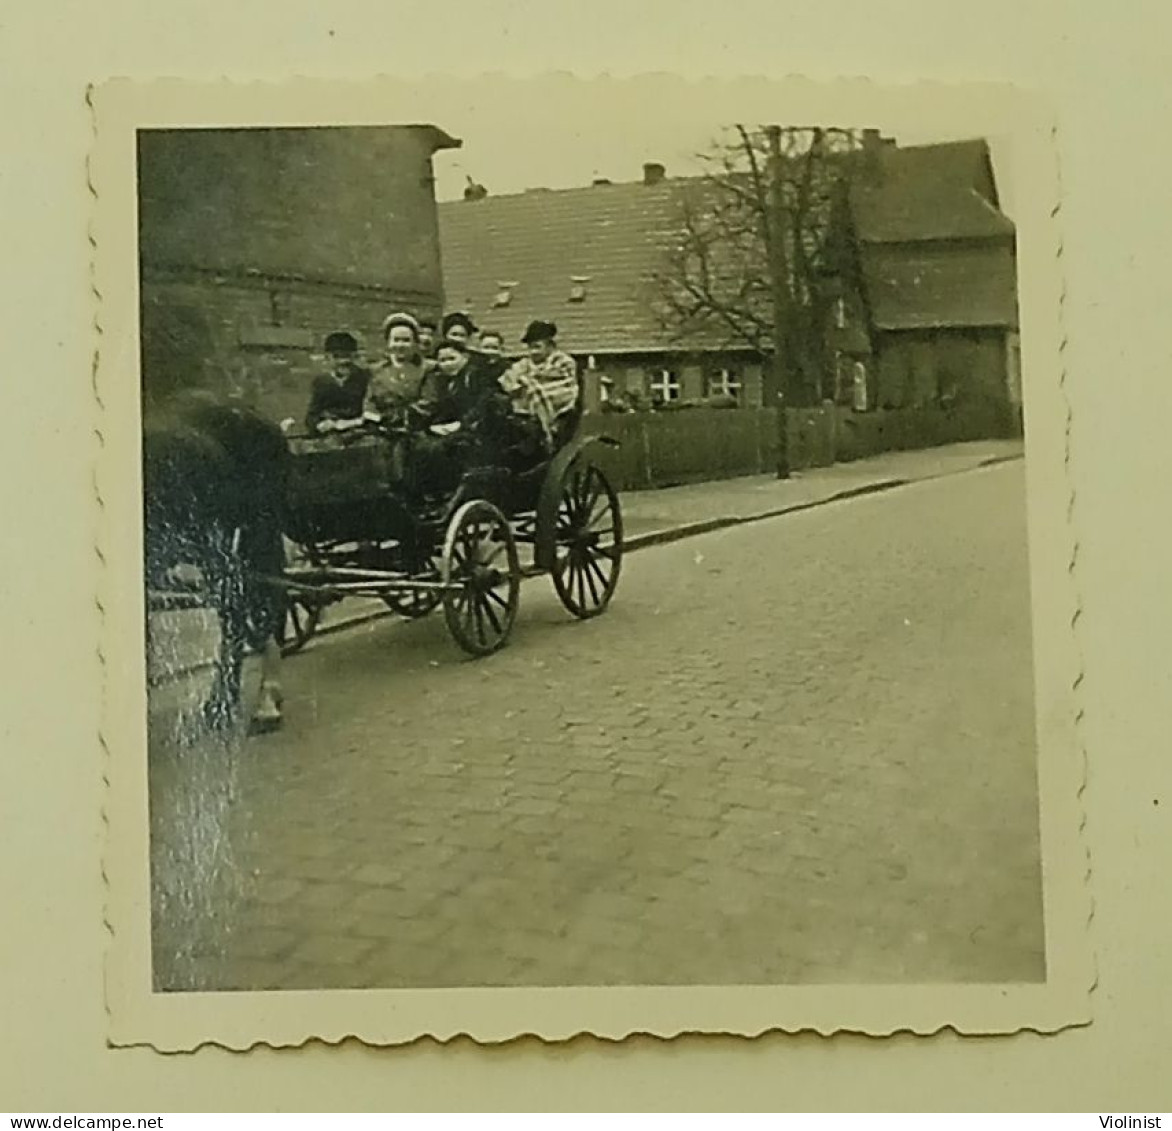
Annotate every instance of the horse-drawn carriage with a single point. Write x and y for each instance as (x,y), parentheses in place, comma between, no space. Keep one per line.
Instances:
(365,524)
(225,491)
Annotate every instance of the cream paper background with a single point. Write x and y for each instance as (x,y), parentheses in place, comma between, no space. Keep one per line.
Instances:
(1105,74)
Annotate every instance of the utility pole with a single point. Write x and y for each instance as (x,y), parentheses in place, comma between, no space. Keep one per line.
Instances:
(778,282)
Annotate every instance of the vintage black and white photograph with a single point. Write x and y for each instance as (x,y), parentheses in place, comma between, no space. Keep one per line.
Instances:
(594,558)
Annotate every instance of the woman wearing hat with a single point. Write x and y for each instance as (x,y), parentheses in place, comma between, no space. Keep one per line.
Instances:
(396,384)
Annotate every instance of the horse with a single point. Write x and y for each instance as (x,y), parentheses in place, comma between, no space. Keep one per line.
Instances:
(214,481)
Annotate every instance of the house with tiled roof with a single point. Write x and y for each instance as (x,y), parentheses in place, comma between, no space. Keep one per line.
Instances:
(586,259)
(938,269)
(933,300)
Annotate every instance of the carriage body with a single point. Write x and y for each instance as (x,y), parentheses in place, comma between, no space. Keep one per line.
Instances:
(364,526)
(344,491)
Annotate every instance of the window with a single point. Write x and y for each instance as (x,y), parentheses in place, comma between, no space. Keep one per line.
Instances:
(725,383)
(859,390)
(665,386)
(840,313)
(578,287)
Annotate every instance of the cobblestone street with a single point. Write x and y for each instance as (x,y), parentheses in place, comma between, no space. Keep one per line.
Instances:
(795,751)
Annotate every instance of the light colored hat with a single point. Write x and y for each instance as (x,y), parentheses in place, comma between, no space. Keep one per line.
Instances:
(400,318)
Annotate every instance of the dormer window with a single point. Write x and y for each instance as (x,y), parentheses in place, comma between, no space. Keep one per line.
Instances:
(578,287)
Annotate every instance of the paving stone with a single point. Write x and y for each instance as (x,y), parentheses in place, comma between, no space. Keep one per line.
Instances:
(788,773)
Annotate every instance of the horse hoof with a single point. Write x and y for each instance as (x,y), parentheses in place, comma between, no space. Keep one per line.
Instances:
(265,723)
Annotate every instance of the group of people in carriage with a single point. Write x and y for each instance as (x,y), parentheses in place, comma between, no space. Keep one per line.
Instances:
(211,465)
(464,402)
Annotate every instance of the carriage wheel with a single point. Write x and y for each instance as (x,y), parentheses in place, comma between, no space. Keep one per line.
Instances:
(590,541)
(480,556)
(413,603)
(298,625)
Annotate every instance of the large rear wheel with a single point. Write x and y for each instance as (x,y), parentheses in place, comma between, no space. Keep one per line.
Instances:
(482,575)
(589,537)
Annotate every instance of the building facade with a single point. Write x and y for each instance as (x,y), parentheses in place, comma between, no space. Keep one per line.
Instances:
(925,311)
(255,243)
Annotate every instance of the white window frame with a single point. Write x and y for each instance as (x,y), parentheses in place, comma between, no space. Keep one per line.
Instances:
(840,313)
(726,381)
(665,383)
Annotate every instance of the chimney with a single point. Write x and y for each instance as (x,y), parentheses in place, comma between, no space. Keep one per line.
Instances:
(601,181)
(874,145)
(653,173)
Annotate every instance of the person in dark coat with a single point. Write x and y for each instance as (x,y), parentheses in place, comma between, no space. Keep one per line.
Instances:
(456,404)
(337,397)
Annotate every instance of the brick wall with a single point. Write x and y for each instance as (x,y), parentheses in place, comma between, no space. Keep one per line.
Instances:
(260,337)
(342,204)
(254,244)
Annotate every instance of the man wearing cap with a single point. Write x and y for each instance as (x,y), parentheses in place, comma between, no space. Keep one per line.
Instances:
(543,386)
(337,397)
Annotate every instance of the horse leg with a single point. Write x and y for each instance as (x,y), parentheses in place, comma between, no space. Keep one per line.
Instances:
(268,713)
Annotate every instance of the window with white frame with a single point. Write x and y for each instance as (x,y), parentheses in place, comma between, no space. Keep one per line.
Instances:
(840,313)
(665,386)
(725,382)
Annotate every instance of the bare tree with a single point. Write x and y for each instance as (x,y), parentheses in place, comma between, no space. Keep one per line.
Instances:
(757,234)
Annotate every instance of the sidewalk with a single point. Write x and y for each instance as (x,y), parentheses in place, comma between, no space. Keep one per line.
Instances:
(654,517)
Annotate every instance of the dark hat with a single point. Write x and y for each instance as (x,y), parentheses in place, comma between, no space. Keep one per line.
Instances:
(457,318)
(539,332)
(341,342)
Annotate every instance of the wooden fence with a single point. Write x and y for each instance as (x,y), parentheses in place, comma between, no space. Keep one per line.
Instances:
(662,449)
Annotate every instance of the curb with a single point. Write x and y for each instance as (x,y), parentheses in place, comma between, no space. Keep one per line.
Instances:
(665,536)
(690,529)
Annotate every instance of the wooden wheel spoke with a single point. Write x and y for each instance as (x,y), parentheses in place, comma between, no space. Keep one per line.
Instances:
(596,571)
(479,607)
(584,486)
(580,578)
(465,607)
(489,612)
(493,595)
(494,555)
(598,514)
(588,572)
